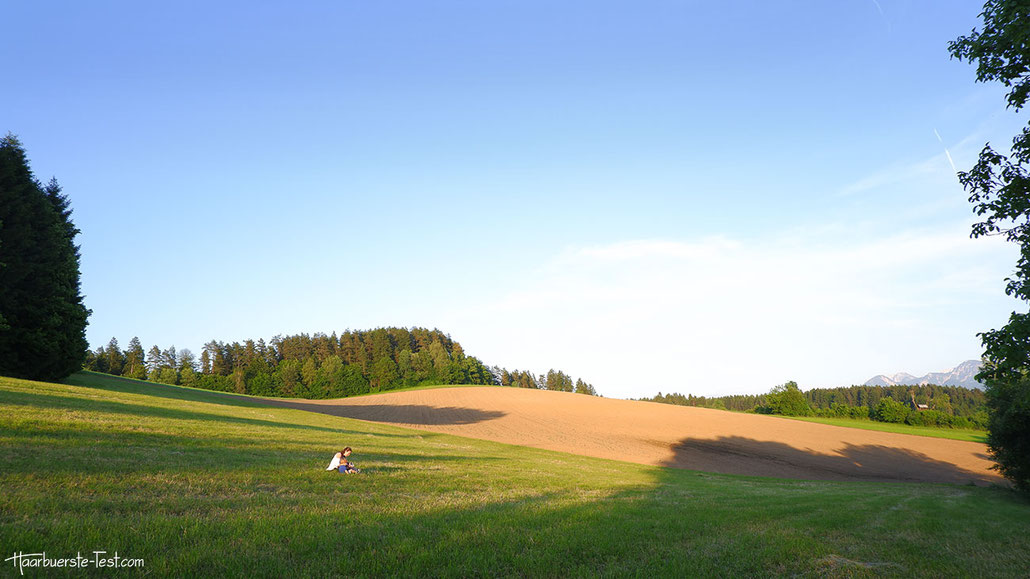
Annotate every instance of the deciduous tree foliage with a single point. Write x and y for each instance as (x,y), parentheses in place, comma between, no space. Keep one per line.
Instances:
(890,410)
(788,400)
(999,189)
(42,316)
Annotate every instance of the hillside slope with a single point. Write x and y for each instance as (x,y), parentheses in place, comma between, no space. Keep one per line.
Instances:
(183,480)
(676,436)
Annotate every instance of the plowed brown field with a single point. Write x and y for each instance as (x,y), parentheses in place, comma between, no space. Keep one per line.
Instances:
(676,436)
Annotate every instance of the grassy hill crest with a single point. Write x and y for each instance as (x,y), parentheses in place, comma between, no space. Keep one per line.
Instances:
(192,480)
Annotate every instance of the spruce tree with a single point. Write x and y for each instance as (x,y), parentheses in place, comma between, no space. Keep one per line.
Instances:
(43,332)
(115,357)
(135,360)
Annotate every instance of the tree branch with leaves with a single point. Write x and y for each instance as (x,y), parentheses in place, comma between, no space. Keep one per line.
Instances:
(999,189)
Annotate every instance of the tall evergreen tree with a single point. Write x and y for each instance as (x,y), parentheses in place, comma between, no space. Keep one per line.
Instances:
(169,358)
(115,357)
(154,359)
(205,362)
(135,360)
(384,373)
(43,331)
(96,361)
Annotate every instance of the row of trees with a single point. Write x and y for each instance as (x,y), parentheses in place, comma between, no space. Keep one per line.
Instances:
(932,406)
(738,402)
(319,365)
(553,380)
(946,406)
(950,399)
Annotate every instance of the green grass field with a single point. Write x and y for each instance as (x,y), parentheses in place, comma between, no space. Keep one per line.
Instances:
(966,434)
(195,483)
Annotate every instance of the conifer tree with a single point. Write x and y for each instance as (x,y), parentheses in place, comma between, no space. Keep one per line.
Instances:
(43,331)
(154,359)
(135,360)
(115,357)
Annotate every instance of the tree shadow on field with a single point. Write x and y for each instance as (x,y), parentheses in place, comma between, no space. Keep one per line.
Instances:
(130,386)
(867,462)
(84,450)
(233,505)
(52,401)
(388,413)
(677,524)
(396,413)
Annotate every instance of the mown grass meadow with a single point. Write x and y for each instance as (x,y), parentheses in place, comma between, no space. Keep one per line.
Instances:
(197,483)
(967,434)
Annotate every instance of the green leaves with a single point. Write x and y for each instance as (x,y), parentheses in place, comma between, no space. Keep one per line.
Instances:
(890,410)
(999,189)
(1009,423)
(788,400)
(1002,48)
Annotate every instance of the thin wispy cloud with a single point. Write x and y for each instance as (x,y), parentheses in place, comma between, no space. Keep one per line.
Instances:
(898,174)
(946,151)
(720,314)
(935,167)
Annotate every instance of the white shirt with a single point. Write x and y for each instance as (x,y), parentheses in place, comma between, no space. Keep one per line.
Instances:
(335,464)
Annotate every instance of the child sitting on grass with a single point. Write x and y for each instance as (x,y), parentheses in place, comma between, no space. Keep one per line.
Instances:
(341,464)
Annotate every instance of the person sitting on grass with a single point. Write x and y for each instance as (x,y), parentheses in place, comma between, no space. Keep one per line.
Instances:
(341,464)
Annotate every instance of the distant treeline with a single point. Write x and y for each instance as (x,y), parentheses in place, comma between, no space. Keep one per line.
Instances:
(319,365)
(553,380)
(922,405)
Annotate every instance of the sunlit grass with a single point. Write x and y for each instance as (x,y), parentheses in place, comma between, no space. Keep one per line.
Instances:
(98,379)
(196,482)
(966,434)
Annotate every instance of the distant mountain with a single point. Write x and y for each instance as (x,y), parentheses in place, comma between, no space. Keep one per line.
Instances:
(961,375)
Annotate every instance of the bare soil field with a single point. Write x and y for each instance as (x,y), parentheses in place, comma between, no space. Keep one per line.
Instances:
(673,436)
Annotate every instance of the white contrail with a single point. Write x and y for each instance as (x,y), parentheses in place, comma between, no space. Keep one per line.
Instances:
(882,15)
(947,153)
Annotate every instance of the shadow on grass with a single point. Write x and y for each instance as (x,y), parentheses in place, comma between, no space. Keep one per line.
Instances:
(157,389)
(283,515)
(747,456)
(685,523)
(394,413)
(85,449)
(51,401)
(679,524)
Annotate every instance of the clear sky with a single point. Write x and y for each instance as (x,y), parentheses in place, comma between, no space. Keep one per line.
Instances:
(699,197)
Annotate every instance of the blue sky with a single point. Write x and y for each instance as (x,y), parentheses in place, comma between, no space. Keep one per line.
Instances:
(655,196)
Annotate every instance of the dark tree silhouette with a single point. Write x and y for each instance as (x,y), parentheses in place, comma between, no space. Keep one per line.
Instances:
(43,324)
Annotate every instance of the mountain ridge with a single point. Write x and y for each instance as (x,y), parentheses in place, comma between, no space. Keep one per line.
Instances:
(961,375)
